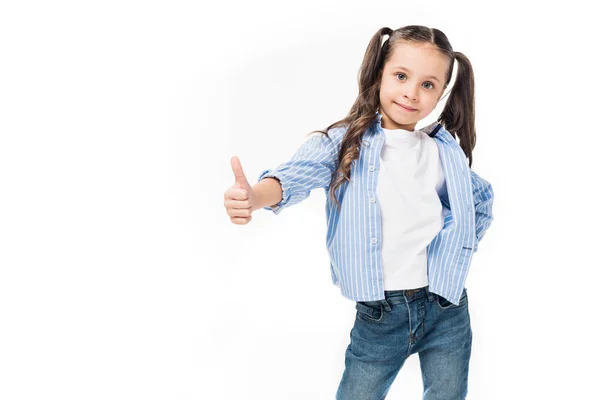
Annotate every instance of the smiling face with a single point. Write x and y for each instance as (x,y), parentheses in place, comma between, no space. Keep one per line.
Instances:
(414,77)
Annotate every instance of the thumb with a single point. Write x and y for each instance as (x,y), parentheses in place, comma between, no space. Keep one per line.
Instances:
(240,177)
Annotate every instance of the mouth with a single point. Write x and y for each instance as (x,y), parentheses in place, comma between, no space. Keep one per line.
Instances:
(406,107)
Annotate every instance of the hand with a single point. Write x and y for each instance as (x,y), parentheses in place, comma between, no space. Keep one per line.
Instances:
(238,198)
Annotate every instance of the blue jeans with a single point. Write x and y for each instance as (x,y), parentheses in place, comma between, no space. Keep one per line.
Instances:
(386,332)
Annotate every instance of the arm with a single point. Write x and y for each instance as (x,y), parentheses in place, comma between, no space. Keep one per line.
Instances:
(483,198)
(266,192)
(310,167)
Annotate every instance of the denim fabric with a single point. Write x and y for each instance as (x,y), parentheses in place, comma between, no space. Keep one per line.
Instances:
(386,332)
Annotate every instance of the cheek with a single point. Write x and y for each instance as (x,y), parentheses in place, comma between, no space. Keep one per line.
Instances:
(384,93)
(427,108)
(429,100)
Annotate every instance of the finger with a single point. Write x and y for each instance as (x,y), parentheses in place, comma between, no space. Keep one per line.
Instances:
(241,220)
(237,204)
(234,193)
(240,177)
(234,212)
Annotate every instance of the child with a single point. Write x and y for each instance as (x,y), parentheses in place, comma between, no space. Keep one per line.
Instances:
(405,212)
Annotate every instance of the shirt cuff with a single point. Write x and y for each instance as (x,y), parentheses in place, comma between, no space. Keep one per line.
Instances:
(277,208)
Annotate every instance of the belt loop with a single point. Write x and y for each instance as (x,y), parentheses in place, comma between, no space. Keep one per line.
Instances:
(430,295)
(386,305)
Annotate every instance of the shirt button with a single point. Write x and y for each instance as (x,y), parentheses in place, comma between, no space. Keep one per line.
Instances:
(371,168)
(374,240)
(367,144)
(372,199)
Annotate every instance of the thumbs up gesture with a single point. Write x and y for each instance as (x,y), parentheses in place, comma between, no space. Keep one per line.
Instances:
(238,198)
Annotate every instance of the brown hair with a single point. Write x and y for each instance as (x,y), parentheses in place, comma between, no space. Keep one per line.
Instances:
(458,116)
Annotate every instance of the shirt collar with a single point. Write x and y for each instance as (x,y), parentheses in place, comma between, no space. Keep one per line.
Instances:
(431,129)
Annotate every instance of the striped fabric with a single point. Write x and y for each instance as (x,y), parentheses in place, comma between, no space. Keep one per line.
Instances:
(354,232)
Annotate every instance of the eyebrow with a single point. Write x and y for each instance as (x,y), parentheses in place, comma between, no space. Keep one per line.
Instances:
(409,71)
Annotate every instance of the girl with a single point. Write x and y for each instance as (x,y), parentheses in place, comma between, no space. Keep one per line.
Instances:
(405,212)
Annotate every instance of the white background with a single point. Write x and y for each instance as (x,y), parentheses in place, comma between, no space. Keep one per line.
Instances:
(121,275)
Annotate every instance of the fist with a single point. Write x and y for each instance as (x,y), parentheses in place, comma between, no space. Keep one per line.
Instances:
(238,198)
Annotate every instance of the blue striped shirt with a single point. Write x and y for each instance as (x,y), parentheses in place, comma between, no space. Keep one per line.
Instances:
(354,232)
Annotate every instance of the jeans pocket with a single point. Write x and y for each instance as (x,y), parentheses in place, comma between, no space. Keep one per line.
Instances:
(371,311)
(444,304)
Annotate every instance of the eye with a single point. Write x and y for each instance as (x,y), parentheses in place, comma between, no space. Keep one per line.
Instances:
(431,87)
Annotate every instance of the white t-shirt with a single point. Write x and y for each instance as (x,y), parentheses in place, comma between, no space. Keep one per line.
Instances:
(410,181)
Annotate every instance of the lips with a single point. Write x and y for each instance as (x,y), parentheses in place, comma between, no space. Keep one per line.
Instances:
(406,107)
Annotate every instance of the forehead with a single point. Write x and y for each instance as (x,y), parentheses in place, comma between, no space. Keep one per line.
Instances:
(419,58)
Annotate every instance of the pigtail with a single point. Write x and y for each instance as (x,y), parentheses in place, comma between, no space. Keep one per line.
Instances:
(363,112)
(370,70)
(458,115)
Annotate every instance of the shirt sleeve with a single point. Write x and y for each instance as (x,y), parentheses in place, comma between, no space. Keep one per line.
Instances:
(483,197)
(311,167)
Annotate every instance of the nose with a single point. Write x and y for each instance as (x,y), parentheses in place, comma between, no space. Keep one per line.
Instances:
(410,92)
